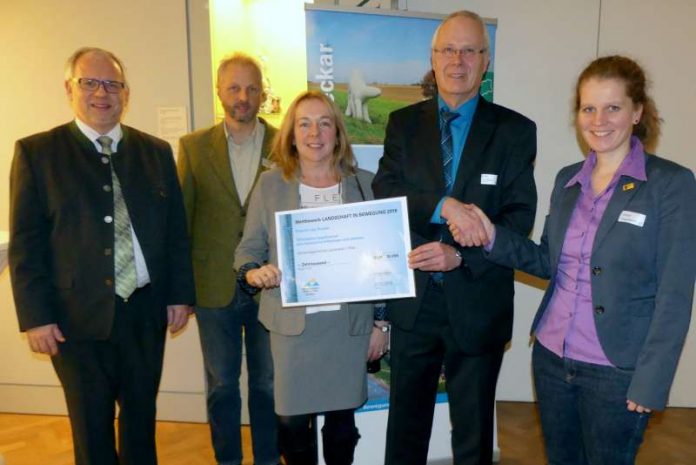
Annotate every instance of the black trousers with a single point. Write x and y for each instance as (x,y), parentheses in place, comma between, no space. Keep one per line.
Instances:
(417,358)
(123,370)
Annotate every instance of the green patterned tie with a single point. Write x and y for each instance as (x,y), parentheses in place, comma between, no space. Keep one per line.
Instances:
(124,258)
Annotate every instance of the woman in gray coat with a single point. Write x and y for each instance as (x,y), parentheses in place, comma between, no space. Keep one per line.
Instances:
(319,353)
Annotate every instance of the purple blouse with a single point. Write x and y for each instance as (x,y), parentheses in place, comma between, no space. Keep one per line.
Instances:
(567,327)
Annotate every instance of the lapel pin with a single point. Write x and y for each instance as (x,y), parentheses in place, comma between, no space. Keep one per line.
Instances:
(628,186)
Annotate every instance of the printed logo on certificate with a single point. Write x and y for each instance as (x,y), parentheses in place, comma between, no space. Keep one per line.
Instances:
(345,253)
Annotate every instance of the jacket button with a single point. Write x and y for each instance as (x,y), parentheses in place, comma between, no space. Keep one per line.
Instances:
(109,282)
(107,252)
(597,270)
(598,310)
(106,187)
(240,234)
(108,219)
(242,214)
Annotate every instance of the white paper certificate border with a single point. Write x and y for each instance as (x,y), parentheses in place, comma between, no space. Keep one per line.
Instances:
(285,250)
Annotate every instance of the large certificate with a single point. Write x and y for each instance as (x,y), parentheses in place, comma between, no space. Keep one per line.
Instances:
(347,253)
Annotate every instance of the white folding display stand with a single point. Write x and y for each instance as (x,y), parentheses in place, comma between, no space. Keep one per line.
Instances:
(373,431)
(373,424)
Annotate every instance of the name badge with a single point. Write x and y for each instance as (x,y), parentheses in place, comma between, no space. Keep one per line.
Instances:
(636,219)
(489,179)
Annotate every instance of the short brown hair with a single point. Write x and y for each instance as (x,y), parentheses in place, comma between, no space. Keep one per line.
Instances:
(239,58)
(632,75)
(284,152)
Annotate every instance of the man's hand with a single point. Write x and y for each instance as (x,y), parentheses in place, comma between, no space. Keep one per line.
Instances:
(45,339)
(464,222)
(177,317)
(488,226)
(266,277)
(434,256)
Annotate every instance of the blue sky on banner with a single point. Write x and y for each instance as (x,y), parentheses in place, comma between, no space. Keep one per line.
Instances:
(385,48)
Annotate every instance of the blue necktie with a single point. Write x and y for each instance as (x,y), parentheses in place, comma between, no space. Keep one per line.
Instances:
(446,118)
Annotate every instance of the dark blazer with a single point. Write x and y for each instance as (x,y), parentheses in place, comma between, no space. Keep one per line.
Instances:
(642,276)
(61,247)
(500,142)
(215,214)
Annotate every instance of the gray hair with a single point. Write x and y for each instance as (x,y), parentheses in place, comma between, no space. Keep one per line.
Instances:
(80,52)
(465,14)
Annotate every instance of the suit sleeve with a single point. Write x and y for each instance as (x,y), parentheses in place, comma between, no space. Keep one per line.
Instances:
(28,253)
(676,271)
(517,207)
(187,182)
(180,270)
(518,251)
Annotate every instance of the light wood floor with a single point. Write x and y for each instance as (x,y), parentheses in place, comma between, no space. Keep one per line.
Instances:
(36,439)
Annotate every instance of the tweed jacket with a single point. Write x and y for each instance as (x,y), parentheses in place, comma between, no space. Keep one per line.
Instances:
(214,211)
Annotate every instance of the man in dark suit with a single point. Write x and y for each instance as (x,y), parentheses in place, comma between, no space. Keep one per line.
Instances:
(100,261)
(442,154)
(218,167)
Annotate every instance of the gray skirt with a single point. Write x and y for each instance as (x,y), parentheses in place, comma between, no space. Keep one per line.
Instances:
(322,369)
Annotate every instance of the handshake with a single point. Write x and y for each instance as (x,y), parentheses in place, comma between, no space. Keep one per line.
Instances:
(469,226)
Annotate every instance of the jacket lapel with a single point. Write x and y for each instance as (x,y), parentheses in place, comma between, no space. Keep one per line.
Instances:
(619,200)
(264,161)
(427,141)
(219,158)
(482,128)
(558,229)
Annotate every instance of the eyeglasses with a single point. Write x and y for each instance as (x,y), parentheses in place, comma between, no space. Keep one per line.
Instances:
(92,85)
(466,52)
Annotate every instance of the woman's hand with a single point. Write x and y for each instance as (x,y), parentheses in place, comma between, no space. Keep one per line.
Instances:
(266,277)
(379,341)
(633,407)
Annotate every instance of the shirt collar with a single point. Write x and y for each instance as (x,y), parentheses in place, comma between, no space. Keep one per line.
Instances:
(116,134)
(466,110)
(252,137)
(633,165)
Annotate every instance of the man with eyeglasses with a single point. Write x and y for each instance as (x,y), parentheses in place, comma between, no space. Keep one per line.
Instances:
(218,167)
(445,153)
(100,261)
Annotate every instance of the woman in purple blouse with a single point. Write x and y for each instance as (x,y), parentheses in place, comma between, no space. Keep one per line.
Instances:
(619,248)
